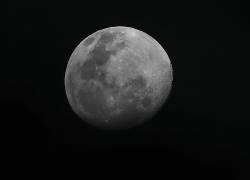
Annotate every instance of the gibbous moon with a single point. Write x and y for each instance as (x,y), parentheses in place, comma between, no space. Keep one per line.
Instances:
(118,77)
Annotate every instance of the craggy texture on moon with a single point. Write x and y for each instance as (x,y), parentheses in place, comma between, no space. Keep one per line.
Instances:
(118,77)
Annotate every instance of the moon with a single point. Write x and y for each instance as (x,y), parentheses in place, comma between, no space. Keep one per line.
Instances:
(118,77)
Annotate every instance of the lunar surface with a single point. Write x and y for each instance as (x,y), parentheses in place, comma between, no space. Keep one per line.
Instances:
(118,77)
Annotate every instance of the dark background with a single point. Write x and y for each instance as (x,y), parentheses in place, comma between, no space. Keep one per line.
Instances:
(197,134)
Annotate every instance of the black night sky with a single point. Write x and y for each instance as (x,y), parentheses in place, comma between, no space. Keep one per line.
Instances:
(197,134)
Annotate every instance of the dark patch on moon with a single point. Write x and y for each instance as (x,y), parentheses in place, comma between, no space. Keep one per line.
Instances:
(121,45)
(146,102)
(132,115)
(88,41)
(91,98)
(91,71)
(131,99)
(99,55)
(96,58)
(112,85)
(107,37)
(93,67)
(136,83)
